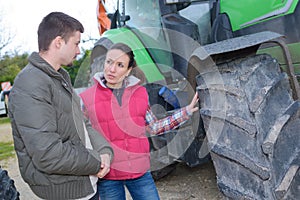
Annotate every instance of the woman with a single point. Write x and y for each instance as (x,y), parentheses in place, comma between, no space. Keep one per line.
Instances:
(117,106)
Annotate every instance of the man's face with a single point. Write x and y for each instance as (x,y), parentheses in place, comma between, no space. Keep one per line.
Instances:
(70,49)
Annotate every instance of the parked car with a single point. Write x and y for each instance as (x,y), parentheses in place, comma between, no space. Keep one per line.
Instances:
(3,102)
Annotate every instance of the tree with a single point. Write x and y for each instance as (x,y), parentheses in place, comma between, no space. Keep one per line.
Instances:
(5,36)
(79,72)
(11,66)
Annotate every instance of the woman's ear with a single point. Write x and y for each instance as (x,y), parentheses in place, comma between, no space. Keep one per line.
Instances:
(128,71)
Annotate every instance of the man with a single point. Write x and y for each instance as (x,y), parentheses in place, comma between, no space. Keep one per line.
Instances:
(60,156)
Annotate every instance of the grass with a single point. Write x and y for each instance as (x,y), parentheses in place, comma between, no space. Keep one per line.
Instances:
(4,120)
(6,150)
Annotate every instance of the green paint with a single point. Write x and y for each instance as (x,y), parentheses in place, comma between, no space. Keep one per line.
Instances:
(241,12)
(277,53)
(142,57)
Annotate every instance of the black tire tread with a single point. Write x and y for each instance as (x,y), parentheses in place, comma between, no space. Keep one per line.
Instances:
(260,128)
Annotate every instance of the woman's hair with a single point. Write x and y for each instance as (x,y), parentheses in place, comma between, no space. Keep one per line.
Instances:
(57,24)
(136,71)
(127,50)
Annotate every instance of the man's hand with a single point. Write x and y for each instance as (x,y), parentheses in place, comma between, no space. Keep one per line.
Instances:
(105,165)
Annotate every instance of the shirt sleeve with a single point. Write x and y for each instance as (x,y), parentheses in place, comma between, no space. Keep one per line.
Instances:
(158,126)
(98,142)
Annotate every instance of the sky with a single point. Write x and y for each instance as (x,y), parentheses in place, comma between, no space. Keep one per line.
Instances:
(20,18)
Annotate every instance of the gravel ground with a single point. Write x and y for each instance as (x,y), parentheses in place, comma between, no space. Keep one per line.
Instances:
(184,183)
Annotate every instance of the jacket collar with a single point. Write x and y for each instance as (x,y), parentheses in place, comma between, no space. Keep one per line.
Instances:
(62,75)
(37,61)
(130,80)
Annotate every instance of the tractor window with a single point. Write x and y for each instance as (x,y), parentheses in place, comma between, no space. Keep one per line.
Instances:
(199,13)
(145,22)
(144,15)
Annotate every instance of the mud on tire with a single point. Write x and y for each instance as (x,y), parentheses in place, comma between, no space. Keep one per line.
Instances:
(255,145)
(8,190)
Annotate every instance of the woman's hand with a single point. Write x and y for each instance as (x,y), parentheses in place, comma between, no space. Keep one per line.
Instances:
(192,107)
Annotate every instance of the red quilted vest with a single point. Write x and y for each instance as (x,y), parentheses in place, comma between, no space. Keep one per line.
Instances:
(123,126)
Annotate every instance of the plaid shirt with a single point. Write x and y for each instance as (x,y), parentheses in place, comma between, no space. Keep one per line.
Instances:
(158,126)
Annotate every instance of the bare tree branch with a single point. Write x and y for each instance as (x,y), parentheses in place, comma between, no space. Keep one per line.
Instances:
(6,37)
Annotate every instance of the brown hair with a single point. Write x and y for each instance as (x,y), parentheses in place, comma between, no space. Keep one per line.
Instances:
(57,24)
(127,50)
(136,71)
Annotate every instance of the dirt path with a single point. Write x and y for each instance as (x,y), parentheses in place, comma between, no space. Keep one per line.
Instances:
(184,183)
(11,165)
(5,133)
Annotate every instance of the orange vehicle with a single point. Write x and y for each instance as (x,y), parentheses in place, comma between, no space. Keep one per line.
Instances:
(104,22)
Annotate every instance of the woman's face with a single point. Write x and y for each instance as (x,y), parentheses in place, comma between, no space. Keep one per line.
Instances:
(116,68)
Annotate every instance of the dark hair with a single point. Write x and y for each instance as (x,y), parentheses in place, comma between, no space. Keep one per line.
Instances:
(57,24)
(127,50)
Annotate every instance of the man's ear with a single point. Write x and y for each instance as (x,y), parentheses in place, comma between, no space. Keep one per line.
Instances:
(58,41)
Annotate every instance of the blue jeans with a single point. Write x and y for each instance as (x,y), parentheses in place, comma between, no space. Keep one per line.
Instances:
(142,188)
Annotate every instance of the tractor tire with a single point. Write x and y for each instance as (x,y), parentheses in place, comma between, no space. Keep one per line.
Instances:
(8,190)
(253,132)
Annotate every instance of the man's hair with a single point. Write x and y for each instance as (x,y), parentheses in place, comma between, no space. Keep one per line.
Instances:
(57,24)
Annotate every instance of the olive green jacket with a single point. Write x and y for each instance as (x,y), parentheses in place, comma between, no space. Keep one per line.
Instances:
(48,132)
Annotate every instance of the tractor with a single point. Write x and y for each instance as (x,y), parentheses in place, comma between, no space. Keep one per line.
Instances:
(242,58)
